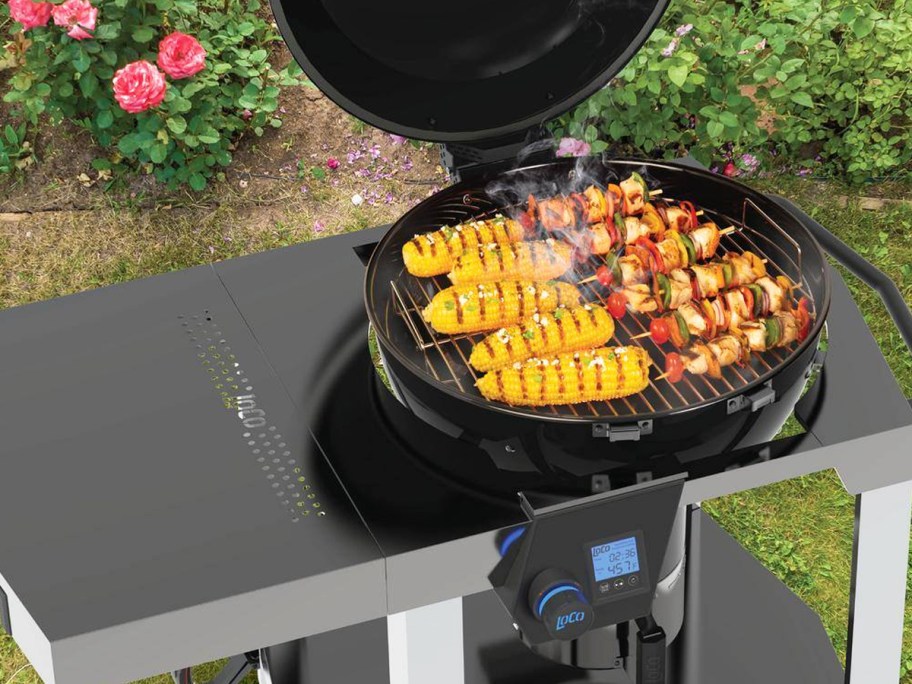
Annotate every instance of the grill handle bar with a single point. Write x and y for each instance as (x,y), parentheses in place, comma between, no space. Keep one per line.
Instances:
(869,274)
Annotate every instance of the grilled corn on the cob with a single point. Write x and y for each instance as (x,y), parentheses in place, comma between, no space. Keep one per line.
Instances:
(570,378)
(536,260)
(434,253)
(486,306)
(544,334)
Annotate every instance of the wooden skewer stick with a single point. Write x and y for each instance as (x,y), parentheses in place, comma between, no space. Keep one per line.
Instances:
(663,376)
(587,280)
(700,212)
(726,231)
(641,336)
(656,193)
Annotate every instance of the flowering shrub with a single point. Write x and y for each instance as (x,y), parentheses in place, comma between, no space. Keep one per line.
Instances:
(824,86)
(166,86)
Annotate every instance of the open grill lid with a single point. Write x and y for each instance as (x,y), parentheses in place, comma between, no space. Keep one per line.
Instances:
(466,71)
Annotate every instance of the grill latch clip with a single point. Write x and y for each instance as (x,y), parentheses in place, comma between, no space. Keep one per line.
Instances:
(630,432)
(764,396)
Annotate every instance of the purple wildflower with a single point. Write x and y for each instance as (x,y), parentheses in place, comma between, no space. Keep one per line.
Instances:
(319,226)
(670,48)
(389,198)
(398,139)
(683,30)
(407,164)
(571,147)
(749,162)
(375,151)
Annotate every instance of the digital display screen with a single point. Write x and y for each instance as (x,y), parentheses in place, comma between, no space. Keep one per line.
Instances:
(615,558)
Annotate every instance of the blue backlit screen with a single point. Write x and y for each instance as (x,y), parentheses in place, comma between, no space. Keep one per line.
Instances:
(615,558)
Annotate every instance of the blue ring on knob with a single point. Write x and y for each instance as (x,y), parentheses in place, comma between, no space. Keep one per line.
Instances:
(559,589)
(510,539)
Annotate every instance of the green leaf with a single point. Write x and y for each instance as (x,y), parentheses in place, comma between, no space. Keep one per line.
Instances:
(678,74)
(105,119)
(143,34)
(129,144)
(862,26)
(802,99)
(728,119)
(82,61)
(177,124)
(198,182)
(715,129)
(318,173)
(108,31)
(158,153)
(847,15)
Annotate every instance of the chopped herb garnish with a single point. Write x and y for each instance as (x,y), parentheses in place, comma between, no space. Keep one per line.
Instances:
(538,377)
(448,305)
(558,314)
(529,334)
(471,307)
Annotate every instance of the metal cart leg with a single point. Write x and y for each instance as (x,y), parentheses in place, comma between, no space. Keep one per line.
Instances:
(425,645)
(880,566)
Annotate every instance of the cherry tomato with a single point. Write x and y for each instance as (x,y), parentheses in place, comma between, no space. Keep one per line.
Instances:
(674,367)
(604,275)
(658,329)
(804,319)
(527,222)
(617,304)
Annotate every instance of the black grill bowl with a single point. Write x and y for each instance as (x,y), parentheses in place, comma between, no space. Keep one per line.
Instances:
(690,425)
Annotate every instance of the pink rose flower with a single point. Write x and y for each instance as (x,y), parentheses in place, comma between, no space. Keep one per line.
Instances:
(571,147)
(139,86)
(30,14)
(78,17)
(181,56)
(332,163)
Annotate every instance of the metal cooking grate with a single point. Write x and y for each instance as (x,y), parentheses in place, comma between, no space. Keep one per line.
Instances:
(446,357)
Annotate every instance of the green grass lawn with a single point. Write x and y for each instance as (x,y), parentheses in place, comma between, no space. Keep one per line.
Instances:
(800,529)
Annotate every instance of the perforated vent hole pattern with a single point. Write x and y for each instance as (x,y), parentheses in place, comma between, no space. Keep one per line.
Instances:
(269,449)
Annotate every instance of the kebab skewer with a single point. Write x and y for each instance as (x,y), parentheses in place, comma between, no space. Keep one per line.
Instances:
(730,310)
(735,347)
(701,281)
(595,205)
(677,250)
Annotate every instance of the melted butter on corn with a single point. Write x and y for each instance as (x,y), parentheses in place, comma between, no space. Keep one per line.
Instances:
(488,306)
(544,334)
(598,374)
(535,260)
(431,254)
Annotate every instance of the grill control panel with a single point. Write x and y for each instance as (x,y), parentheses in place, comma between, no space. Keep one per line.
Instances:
(579,565)
(617,566)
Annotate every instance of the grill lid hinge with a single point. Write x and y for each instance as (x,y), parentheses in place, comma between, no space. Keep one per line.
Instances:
(756,400)
(630,432)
